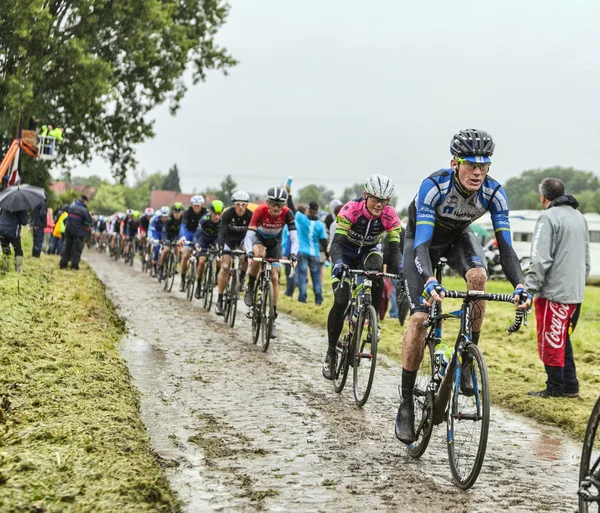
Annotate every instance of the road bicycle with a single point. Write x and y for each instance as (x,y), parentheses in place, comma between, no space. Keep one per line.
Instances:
(231,294)
(170,266)
(589,470)
(437,392)
(190,273)
(146,255)
(357,344)
(262,310)
(207,284)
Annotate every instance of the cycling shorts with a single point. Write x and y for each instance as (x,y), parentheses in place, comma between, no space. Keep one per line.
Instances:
(207,241)
(369,258)
(272,247)
(464,252)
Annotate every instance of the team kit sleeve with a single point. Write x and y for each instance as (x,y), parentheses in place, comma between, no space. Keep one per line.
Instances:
(225,219)
(252,227)
(427,200)
(291,224)
(509,260)
(394,229)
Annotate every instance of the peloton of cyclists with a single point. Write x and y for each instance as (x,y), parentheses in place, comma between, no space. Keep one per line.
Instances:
(170,233)
(156,227)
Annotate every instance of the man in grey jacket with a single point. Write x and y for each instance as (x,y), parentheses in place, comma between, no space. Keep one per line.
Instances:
(560,265)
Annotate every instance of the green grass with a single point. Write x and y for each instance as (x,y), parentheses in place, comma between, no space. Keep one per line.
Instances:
(512,360)
(71,438)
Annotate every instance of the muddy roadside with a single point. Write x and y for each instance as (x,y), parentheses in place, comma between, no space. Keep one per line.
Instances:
(239,430)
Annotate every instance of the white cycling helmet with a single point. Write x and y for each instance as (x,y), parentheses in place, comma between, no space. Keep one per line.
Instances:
(197,200)
(149,212)
(379,186)
(121,216)
(129,212)
(240,196)
(165,211)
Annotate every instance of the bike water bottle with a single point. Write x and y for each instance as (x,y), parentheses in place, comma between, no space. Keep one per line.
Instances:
(441,357)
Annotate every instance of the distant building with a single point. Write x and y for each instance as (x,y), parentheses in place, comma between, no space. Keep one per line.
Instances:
(162,198)
(61,187)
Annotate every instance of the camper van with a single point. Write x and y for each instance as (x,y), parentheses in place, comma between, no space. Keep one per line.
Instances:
(522,224)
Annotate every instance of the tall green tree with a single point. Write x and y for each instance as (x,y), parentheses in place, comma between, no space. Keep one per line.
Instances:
(228,187)
(522,191)
(98,67)
(171,181)
(354,191)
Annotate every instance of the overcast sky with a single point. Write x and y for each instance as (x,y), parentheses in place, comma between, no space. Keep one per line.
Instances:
(330,91)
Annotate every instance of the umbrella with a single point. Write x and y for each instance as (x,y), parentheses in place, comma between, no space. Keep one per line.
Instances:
(21,197)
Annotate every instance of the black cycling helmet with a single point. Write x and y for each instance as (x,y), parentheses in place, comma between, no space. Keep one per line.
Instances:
(277,195)
(472,144)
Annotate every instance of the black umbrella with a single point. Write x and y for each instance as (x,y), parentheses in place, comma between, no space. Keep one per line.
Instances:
(21,197)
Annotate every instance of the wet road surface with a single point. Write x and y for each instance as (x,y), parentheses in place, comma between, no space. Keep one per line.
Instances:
(241,430)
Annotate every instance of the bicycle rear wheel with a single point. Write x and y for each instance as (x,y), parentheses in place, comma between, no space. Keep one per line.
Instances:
(268,316)
(365,354)
(232,300)
(423,398)
(342,362)
(468,421)
(256,312)
(589,470)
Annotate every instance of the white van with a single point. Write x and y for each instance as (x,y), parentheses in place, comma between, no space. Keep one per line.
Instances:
(522,224)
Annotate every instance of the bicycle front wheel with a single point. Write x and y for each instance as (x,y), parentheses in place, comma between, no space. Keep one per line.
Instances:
(256,312)
(364,358)
(190,279)
(207,281)
(423,400)
(232,300)
(468,420)
(589,470)
(268,316)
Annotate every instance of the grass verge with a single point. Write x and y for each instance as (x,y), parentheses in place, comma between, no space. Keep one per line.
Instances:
(71,438)
(512,360)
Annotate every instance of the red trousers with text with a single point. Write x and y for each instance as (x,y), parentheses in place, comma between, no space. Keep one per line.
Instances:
(553,322)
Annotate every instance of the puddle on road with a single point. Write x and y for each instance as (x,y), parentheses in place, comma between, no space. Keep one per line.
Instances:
(239,430)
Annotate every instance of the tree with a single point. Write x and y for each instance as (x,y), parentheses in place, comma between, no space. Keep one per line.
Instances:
(354,191)
(171,182)
(228,187)
(88,181)
(109,199)
(98,68)
(151,182)
(522,191)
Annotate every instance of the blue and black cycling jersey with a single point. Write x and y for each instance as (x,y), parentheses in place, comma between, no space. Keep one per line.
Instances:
(170,230)
(156,226)
(443,209)
(207,232)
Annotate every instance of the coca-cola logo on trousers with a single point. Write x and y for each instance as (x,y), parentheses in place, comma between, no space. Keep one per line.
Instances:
(559,315)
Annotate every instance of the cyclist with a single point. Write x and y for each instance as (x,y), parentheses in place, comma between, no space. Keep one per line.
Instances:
(99,229)
(189,225)
(132,232)
(361,224)
(263,240)
(447,203)
(156,228)
(234,225)
(170,233)
(118,228)
(206,237)
(145,223)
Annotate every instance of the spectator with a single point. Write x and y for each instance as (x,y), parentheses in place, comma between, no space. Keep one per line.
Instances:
(56,242)
(333,225)
(10,233)
(560,265)
(33,123)
(312,238)
(48,230)
(77,228)
(38,224)
(332,216)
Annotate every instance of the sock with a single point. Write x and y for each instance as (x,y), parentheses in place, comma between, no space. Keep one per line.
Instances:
(242,275)
(220,298)
(408,383)
(275,311)
(475,337)
(251,280)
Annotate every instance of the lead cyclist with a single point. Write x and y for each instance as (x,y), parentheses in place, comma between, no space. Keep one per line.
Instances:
(439,217)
